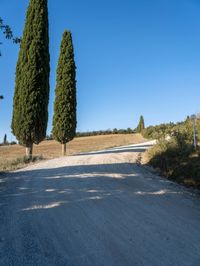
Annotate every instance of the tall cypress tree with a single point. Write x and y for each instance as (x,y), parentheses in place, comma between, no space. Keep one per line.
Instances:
(30,104)
(64,120)
(141,125)
(5,139)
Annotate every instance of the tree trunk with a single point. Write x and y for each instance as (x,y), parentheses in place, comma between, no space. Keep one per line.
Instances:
(29,150)
(64,148)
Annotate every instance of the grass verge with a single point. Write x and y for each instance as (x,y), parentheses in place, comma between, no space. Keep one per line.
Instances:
(18,163)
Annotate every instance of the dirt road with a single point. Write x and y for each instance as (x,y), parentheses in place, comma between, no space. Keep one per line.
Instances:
(97,209)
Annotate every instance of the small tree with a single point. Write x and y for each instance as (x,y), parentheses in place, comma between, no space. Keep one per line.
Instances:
(141,125)
(129,130)
(30,105)
(64,120)
(5,142)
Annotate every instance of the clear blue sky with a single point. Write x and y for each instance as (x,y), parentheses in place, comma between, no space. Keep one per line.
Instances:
(133,57)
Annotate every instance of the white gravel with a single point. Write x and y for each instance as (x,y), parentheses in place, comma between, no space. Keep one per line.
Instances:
(97,209)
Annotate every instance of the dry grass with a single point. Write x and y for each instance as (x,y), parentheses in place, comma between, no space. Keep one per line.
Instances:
(51,149)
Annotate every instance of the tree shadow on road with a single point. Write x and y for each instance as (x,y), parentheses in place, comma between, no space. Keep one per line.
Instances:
(76,215)
(70,184)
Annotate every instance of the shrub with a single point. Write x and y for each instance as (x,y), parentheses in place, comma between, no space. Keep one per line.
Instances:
(177,160)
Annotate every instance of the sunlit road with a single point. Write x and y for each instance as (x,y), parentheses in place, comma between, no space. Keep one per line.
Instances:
(97,209)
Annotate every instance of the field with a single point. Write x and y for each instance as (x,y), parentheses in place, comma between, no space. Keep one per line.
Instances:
(51,149)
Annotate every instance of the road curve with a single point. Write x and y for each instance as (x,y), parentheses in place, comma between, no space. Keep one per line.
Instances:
(97,209)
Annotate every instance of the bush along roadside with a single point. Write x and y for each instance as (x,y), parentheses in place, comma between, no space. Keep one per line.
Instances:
(177,159)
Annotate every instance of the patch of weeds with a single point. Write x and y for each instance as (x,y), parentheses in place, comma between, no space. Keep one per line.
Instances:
(19,163)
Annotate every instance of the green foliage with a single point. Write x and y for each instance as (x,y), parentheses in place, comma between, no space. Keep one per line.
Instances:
(105,132)
(8,32)
(170,129)
(176,156)
(177,159)
(13,143)
(115,131)
(5,142)
(141,125)
(183,131)
(30,106)
(64,120)
(159,131)
(49,137)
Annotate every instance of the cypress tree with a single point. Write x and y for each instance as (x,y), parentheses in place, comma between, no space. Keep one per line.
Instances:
(30,104)
(5,139)
(141,125)
(64,120)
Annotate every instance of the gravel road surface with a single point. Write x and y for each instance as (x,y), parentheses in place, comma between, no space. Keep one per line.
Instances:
(93,209)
